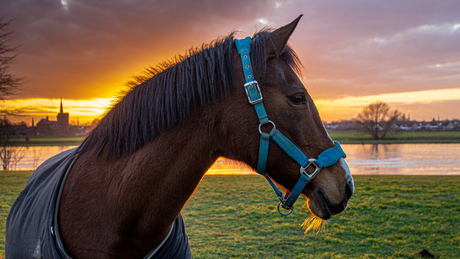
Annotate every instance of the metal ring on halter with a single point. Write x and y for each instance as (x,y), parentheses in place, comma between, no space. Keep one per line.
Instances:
(284,213)
(311,162)
(269,121)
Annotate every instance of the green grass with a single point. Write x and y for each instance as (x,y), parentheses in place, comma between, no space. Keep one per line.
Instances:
(345,137)
(46,141)
(72,139)
(235,217)
(11,184)
(350,137)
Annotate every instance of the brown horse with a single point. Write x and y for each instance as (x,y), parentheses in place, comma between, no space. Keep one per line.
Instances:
(135,171)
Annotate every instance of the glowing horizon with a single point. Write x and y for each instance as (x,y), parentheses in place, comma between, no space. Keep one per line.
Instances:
(85,110)
(410,56)
(345,108)
(349,107)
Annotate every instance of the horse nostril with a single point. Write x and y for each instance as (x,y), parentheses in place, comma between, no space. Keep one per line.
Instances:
(349,190)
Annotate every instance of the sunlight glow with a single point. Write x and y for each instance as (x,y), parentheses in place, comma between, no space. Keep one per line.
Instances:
(85,110)
(351,106)
(228,166)
(313,222)
(405,97)
(88,109)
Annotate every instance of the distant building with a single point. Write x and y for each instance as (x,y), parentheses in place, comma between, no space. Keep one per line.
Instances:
(63,118)
(61,126)
(402,125)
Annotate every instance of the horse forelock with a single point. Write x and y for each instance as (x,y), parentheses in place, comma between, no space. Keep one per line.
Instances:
(164,95)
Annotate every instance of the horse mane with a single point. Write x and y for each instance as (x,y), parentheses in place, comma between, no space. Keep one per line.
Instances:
(164,95)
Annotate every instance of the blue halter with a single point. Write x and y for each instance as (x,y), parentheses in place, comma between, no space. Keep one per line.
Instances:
(325,159)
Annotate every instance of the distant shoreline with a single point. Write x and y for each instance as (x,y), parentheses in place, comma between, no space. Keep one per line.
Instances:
(401,141)
(45,141)
(344,137)
(418,137)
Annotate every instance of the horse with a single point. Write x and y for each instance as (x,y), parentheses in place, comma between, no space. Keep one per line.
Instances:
(121,192)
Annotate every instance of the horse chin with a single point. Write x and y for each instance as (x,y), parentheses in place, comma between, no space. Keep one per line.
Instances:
(321,207)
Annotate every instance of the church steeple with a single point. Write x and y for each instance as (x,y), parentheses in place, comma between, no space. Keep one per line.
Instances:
(62,117)
(62,109)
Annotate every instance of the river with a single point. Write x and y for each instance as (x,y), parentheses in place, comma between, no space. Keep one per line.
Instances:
(400,159)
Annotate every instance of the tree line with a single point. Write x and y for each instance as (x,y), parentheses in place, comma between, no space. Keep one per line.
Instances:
(377,119)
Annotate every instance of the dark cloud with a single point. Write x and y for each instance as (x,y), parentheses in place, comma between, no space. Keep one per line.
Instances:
(74,45)
(349,48)
(374,47)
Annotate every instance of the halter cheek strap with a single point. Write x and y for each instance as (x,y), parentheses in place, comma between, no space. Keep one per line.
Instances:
(325,159)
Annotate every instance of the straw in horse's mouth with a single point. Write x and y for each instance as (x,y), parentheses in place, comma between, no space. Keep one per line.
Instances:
(313,222)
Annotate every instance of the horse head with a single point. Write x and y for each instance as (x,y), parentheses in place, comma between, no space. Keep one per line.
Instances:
(292,111)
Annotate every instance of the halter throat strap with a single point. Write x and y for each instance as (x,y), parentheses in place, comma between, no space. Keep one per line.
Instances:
(325,159)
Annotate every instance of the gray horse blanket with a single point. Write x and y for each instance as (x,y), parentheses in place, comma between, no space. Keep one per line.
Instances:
(32,223)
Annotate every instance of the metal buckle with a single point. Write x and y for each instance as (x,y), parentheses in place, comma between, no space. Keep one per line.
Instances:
(253,85)
(289,209)
(269,122)
(311,162)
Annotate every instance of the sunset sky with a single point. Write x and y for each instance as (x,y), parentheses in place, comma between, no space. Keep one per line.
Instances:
(405,53)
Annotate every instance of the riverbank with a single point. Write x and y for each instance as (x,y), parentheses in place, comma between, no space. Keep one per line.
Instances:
(350,137)
(387,217)
(344,137)
(56,140)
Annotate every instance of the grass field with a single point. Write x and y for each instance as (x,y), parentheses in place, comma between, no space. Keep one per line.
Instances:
(344,137)
(350,137)
(235,217)
(46,141)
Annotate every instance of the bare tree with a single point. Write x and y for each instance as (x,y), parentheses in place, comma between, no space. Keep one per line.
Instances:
(6,130)
(36,158)
(377,119)
(5,156)
(11,156)
(9,83)
(18,154)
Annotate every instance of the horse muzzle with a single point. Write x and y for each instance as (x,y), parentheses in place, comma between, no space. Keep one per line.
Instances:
(324,205)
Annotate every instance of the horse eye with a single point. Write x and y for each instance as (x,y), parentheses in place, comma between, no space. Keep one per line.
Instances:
(297,99)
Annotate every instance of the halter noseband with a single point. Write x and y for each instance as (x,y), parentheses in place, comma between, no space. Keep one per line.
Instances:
(326,158)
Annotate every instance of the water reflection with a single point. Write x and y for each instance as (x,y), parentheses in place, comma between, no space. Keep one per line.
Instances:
(419,159)
(32,156)
(401,159)
(408,159)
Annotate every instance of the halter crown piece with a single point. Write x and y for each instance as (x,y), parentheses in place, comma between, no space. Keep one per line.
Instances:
(326,158)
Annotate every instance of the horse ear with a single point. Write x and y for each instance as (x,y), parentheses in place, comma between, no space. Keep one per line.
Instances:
(280,37)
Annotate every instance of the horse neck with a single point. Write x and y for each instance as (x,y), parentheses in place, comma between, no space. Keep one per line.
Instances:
(136,199)
(169,170)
